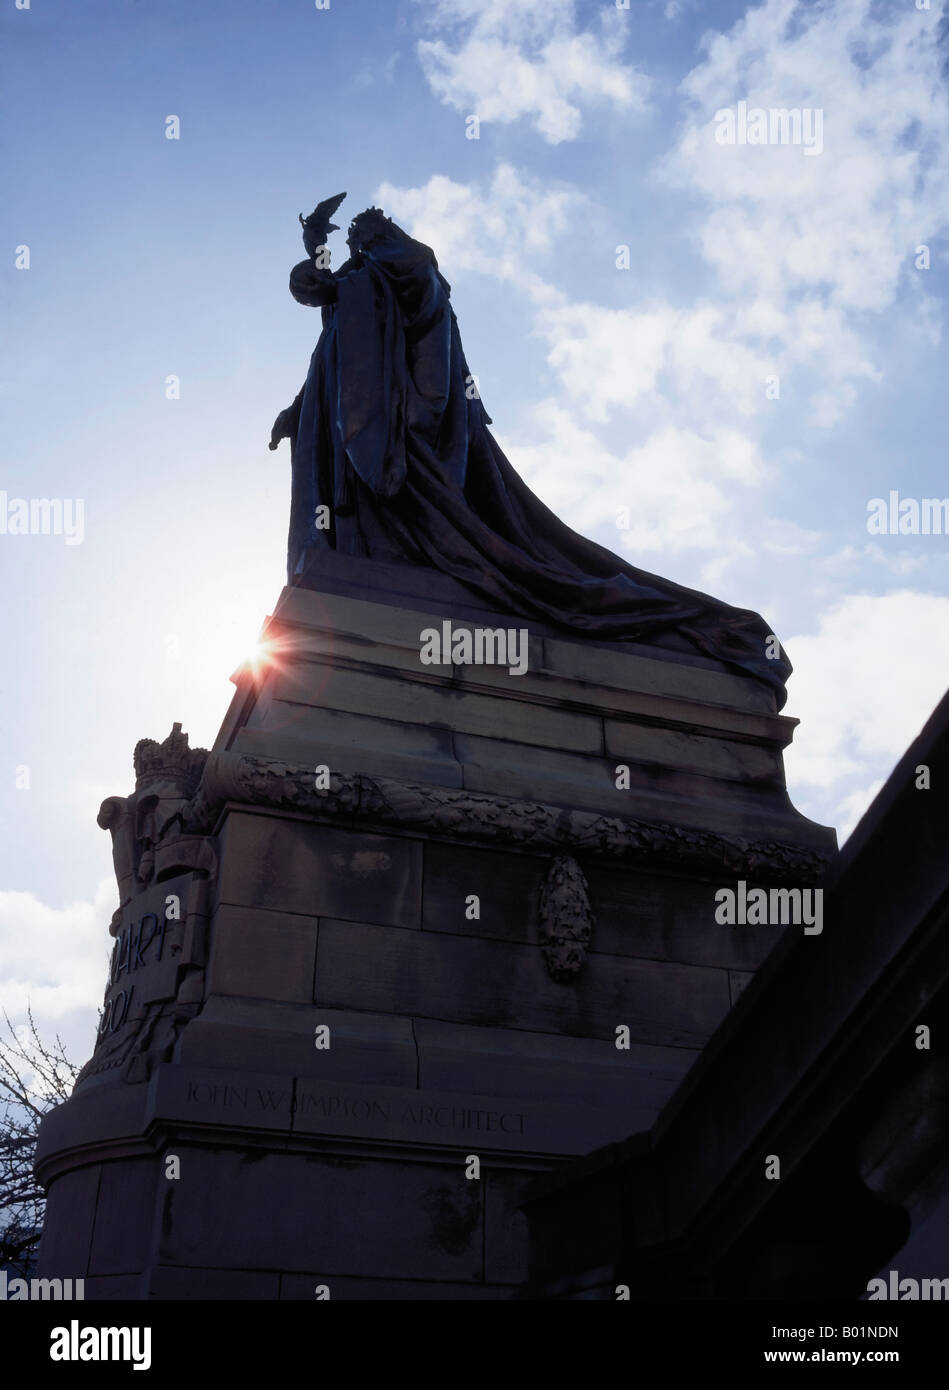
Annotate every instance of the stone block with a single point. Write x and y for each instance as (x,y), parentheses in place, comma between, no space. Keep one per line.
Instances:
(497,1062)
(497,767)
(730,759)
(262,955)
(382,623)
(505,1227)
(303,646)
(286,865)
(587,782)
(508,885)
(127,1203)
(226,1097)
(366,1219)
(70,1219)
(308,743)
(315,724)
(654,917)
(100,1112)
(444,1121)
(234,1033)
(685,677)
(629,704)
(497,676)
(501,984)
(440,702)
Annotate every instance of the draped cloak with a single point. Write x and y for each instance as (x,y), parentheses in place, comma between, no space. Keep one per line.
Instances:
(390,435)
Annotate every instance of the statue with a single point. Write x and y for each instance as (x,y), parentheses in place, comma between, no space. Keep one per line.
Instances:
(393,459)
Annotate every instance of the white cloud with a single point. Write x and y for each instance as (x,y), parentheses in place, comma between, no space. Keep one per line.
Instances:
(498,230)
(673,9)
(675,491)
(804,250)
(56,960)
(605,359)
(787,538)
(818,241)
(898,560)
(507,60)
(681,488)
(863,686)
(685,383)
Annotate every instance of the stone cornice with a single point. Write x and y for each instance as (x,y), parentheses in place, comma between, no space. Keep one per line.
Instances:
(484,819)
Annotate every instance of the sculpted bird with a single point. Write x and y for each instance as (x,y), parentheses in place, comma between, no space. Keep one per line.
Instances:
(317,227)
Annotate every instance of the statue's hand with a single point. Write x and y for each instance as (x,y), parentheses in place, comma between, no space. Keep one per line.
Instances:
(284,426)
(314,239)
(312,286)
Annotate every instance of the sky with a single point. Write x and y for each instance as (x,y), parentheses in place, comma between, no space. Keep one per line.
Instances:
(709,356)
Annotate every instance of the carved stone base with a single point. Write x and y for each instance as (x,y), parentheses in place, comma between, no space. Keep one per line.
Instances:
(439,929)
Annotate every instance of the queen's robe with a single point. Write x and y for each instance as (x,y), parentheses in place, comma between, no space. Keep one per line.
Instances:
(393,459)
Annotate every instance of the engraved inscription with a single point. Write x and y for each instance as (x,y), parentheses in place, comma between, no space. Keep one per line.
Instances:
(336,1106)
(457,1117)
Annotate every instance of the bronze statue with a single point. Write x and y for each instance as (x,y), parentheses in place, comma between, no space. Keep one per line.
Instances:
(393,459)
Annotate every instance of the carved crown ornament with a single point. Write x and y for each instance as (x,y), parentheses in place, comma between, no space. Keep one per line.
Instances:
(148,828)
(169,762)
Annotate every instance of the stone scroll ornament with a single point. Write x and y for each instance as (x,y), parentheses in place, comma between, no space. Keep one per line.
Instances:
(566,921)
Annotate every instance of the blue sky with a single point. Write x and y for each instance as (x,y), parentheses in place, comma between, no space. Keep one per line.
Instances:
(641,387)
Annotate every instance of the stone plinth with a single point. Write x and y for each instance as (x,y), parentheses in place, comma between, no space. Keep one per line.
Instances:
(417,908)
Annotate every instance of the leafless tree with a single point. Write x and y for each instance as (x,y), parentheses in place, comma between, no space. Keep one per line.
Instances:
(34,1076)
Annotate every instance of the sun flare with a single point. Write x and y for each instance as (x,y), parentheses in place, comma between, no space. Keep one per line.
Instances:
(260,657)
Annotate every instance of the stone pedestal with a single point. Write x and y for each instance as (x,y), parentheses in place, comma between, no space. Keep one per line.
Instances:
(399,920)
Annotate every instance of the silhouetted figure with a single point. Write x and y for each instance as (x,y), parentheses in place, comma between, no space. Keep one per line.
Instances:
(392,453)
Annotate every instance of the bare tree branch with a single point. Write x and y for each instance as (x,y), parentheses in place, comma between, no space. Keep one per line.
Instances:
(34,1076)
